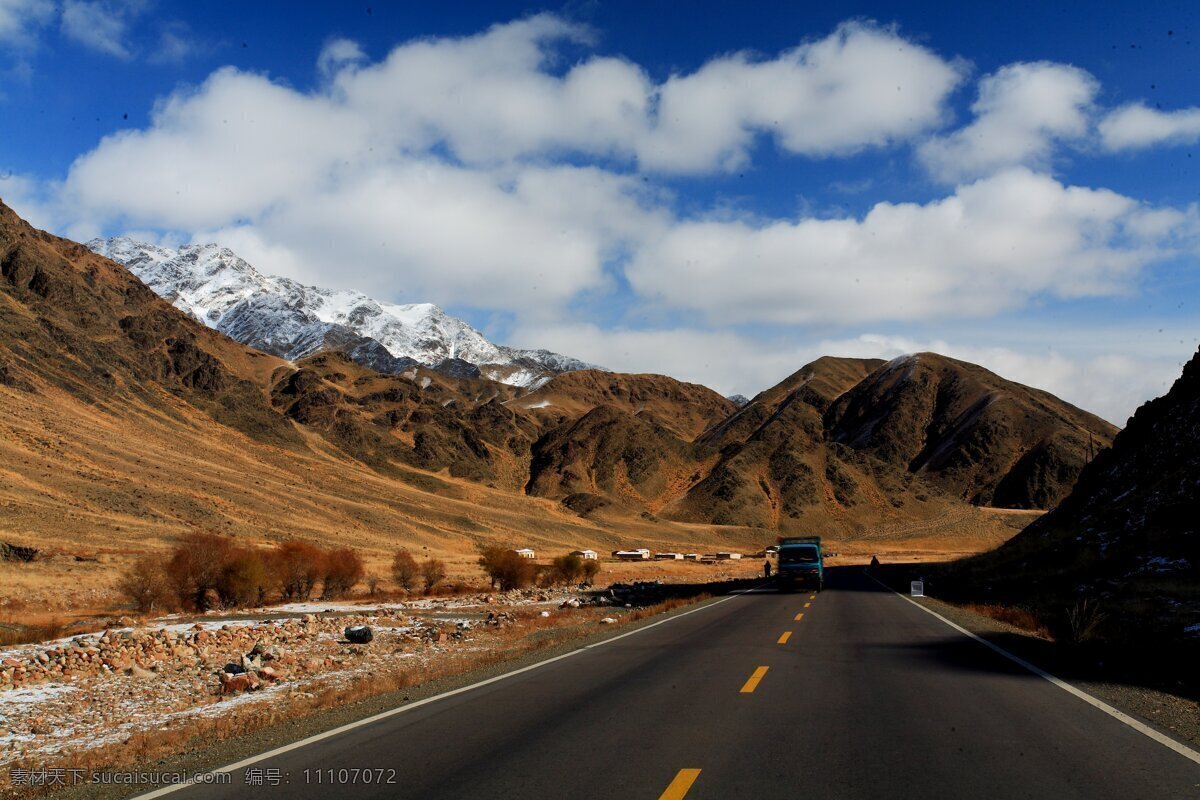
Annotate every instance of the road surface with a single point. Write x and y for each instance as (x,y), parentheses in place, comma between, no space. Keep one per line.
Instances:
(851,693)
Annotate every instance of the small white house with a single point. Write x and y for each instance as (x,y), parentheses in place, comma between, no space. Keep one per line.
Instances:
(525,552)
(668,556)
(641,554)
(725,556)
(586,555)
(692,556)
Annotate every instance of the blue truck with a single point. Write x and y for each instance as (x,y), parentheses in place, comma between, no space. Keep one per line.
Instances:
(801,564)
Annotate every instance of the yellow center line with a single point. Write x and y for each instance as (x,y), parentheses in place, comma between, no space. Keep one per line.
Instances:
(752,684)
(812,597)
(786,635)
(679,787)
(806,605)
(800,616)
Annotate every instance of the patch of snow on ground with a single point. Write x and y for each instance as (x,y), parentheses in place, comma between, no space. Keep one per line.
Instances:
(36,694)
(540,404)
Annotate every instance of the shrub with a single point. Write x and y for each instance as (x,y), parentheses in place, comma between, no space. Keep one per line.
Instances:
(244,580)
(145,583)
(196,567)
(343,569)
(298,567)
(591,568)
(405,570)
(433,572)
(1082,623)
(506,568)
(566,570)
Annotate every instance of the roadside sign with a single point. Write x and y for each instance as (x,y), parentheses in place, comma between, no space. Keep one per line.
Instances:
(918,588)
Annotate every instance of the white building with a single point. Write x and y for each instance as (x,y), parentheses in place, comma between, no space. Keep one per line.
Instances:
(586,555)
(668,556)
(641,554)
(723,556)
(525,552)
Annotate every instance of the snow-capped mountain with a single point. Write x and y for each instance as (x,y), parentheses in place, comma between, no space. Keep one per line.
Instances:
(285,318)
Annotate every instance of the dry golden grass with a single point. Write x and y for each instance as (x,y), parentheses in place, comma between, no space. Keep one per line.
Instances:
(1021,618)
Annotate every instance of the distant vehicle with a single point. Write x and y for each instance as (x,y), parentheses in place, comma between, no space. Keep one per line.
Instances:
(800,563)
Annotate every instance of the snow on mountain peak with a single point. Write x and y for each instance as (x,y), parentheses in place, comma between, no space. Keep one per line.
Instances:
(285,318)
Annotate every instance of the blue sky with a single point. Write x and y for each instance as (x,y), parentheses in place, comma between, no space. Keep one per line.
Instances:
(720,195)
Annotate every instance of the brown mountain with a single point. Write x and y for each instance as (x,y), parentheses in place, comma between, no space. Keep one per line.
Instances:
(1132,522)
(970,432)
(685,408)
(774,466)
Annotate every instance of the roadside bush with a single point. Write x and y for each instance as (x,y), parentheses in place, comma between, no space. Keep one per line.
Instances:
(591,568)
(196,568)
(433,572)
(506,569)
(244,580)
(298,567)
(343,569)
(566,569)
(405,570)
(1081,623)
(145,583)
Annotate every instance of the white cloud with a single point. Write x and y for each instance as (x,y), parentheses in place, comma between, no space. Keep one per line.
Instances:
(495,96)
(20,19)
(98,25)
(352,162)
(174,46)
(989,247)
(863,86)
(1023,110)
(27,196)
(1137,126)
(338,53)
(424,230)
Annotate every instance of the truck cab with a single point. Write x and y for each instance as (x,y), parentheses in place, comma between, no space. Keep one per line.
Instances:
(801,564)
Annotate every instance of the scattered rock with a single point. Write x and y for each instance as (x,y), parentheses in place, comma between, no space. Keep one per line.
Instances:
(140,674)
(607,621)
(359,634)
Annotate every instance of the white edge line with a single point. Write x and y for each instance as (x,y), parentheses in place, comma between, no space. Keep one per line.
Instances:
(165,790)
(1120,716)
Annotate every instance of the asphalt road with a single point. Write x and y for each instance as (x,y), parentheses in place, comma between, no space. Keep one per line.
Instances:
(867,697)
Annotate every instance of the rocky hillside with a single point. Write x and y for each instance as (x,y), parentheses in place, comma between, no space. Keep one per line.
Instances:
(968,431)
(94,331)
(687,409)
(1132,523)
(287,319)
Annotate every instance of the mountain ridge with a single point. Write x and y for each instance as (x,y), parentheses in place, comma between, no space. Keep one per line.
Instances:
(288,319)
